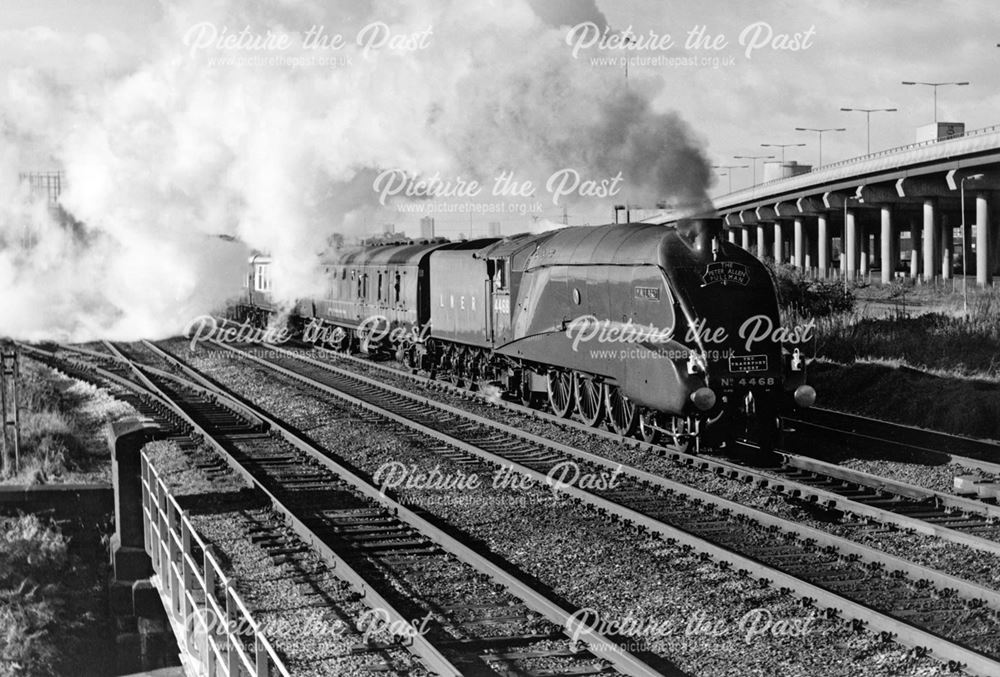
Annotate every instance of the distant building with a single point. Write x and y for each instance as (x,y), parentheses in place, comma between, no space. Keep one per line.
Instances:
(778,170)
(427,228)
(938,131)
(493,230)
(388,228)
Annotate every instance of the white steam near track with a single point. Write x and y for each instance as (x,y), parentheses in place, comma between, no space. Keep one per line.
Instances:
(168,141)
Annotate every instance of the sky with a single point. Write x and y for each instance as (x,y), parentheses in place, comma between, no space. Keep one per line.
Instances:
(179,121)
(858,54)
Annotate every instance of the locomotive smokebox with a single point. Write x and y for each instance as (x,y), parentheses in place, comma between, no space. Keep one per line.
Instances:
(698,232)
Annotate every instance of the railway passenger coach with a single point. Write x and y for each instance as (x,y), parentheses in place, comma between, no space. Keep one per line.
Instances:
(641,327)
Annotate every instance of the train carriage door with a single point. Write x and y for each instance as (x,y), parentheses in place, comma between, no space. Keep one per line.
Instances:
(498,327)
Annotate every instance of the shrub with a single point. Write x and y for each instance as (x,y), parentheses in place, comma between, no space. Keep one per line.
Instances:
(29,546)
(33,562)
(803,297)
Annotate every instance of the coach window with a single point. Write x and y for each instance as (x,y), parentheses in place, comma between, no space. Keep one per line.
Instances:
(378,293)
(398,285)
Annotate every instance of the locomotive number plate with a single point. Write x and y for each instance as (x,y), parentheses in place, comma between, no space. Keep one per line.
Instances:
(741,363)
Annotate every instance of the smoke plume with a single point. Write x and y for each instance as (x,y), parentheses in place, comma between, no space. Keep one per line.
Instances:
(169,140)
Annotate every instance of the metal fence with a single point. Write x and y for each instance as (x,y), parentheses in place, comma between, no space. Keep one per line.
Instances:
(213,627)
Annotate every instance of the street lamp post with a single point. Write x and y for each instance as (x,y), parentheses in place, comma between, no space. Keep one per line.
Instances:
(782,146)
(730,169)
(868,119)
(820,133)
(965,246)
(935,86)
(754,159)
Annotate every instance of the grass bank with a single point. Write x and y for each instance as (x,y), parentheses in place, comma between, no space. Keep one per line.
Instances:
(62,428)
(938,370)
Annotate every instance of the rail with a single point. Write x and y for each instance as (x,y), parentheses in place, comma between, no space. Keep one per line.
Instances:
(903,631)
(216,633)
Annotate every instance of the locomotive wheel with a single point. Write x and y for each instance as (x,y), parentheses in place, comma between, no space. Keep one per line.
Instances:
(461,367)
(473,370)
(589,398)
(647,419)
(410,358)
(344,344)
(623,416)
(528,397)
(450,365)
(561,393)
(493,370)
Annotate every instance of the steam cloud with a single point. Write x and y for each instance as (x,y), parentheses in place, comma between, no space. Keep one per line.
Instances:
(164,148)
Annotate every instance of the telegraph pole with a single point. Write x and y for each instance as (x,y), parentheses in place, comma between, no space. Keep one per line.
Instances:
(8,404)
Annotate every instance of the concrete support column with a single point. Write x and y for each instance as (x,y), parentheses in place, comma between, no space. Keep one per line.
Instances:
(731,235)
(915,251)
(897,244)
(822,247)
(761,242)
(809,251)
(930,226)
(886,242)
(799,249)
(947,246)
(745,238)
(850,245)
(984,272)
(864,251)
(779,243)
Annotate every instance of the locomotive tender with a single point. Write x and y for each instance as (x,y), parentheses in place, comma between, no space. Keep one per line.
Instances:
(649,329)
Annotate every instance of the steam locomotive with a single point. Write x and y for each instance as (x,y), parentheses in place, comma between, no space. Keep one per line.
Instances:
(652,330)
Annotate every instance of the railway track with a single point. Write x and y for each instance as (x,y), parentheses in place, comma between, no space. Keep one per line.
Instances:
(956,620)
(834,488)
(966,521)
(897,439)
(379,545)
